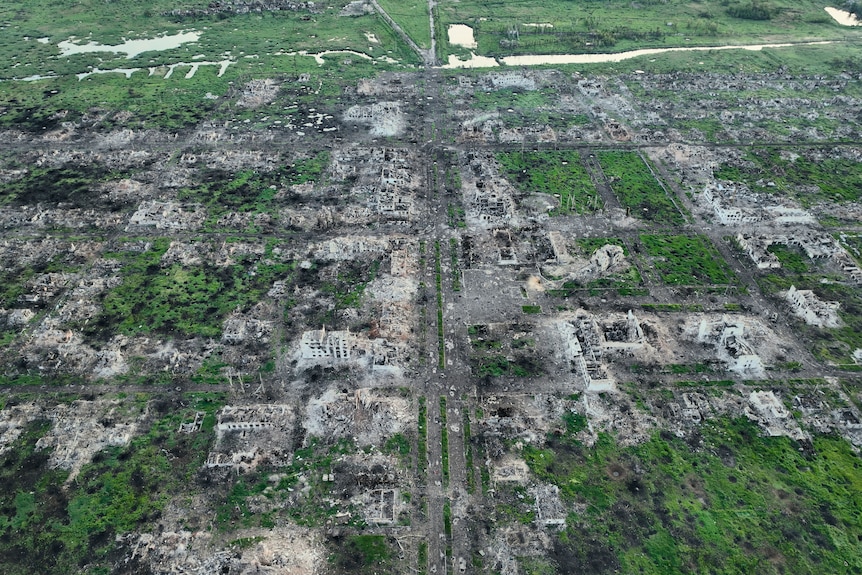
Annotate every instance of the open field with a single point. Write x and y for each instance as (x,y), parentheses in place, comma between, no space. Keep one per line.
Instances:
(560,175)
(637,188)
(560,27)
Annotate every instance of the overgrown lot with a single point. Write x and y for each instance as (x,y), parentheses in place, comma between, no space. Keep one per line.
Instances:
(727,500)
(50,528)
(686,260)
(637,189)
(559,174)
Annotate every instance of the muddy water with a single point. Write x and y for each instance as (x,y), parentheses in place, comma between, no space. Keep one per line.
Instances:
(461,35)
(842,17)
(619,57)
(130,48)
(474,62)
(538,60)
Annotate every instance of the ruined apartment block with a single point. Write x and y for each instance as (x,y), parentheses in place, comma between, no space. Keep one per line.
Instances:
(728,337)
(249,435)
(769,412)
(806,305)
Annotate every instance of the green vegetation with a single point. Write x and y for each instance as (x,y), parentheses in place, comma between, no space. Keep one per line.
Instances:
(674,307)
(422,437)
(853,244)
(124,488)
(455,214)
(808,175)
(350,284)
(399,445)
(447,519)
(559,174)
(515,504)
(740,501)
(754,10)
(637,189)
(422,558)
(438,280)
(444,443)
(312,509)
(369,554)
(536,566)
(412,16)
(686,260)
(175,299)
(531,309)
(176,102)
(499,365)
(249,191)
(497,354)
(517,108)
(792,259)
(626,283)
(616,26)
(72,185)
(456,269)
(468,452)
(835,345)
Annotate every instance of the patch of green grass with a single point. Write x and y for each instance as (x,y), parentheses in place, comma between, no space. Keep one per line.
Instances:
(246,542)
(673,307)
(506,28)
(686,260)
(151,100)
(349,285)
(536,566)
(176,299)
(835,345)
(365,554)
(792,259)
(500,365)
(249,191)
(413,18)
(312,509)
(515,504)
(456,269)
(853,244)
(422,437)
(626,283)
(468,452)
(444,443)
(438,279)
(120,491)
(531,309)
(455,213)
(422,558)
(808,175)
(637,189)
(559,174)
(740,500)
(399,445)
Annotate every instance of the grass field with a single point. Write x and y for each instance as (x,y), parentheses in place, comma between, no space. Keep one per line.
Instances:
(176,299)
(686,260)
(637,188)
(177,101)
(559,174)
(740,502)
(810,177)
(412,16)
(60,528)
(510,27)
(626,283)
